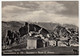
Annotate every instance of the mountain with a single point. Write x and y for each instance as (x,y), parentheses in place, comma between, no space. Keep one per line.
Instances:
(14,26)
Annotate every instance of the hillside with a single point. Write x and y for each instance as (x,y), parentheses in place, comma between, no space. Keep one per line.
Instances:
(14,26)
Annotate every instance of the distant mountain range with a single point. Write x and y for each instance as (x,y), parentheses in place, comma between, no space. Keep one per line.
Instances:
(14,26)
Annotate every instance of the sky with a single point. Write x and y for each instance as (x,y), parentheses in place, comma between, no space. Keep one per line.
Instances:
(63,12)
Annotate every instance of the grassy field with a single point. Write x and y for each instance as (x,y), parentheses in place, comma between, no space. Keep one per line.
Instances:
(47,50)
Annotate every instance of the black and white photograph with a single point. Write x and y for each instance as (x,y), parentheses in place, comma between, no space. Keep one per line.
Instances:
(40,28)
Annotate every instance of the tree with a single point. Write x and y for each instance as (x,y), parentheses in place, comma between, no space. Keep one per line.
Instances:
(60,32)
(68,34)
(55,37)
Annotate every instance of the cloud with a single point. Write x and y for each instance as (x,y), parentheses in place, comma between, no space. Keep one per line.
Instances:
(52,7)
(45,12)
(42,16)
(46,6)
(72,8)
(13,9)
